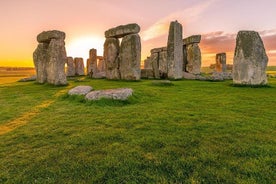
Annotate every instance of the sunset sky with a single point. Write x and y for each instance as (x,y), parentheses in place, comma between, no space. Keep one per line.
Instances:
(84,22)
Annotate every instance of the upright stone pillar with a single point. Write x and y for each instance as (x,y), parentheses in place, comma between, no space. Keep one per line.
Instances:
(79,66)
(111,57)
(192,54)
(250,59)
(50,58)
(154,58)
(175,51)
(101,64)
(71,71)
(92,63)
(221,62)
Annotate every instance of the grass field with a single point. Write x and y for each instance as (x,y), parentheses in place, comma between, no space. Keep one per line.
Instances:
(189,132)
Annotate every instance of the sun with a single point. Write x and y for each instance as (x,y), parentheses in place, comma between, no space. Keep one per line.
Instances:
(79,47)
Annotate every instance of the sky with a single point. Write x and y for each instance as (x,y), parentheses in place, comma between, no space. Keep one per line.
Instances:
(85,21)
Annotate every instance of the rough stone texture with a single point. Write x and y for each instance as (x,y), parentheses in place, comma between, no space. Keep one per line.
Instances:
(221,62)
(79,66)
(27,79)
(123,30)
(115,94)
(250,59)
(130,57)
(92,63)
(80,90)
(41,62)
(71,71)
(111,58)
(193,59)
(163,64)
(50,58)
(175,51)
(47,36)
(147,64)
(147,74)
(100,64)
(154,58)
(192,39)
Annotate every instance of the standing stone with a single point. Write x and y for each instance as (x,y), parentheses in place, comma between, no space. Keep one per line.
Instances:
(192,54)
(163,64)
(92,63)
(154,58)
(111,58)
(79,66)
(250,59)
(130,57)
(221,62)
(147,64)
(100,64)
(50,58)
(71,71)
(175,51)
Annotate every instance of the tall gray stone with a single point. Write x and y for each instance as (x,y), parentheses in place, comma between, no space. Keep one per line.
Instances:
(192,54)
(79,66)
(111,58)
(154,59)
(123,30)
(147,64)
(250,59)
(92,63)
(221,62)
(163,63)
(101,64)
(130,57)
(71,71)
(175,51)
(50,58)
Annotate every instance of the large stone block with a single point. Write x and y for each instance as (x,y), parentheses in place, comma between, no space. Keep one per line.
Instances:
(91,66)
(175,51)
(123,30)
(41,62)
(71,71)
(250,59)
(79,66)
(163,64)
(193,54)
(192,39)
(47,36)
(130,57)
(221,62)
(154,59)
(111,58)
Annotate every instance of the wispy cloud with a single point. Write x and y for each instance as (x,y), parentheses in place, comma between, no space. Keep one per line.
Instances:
(187,15)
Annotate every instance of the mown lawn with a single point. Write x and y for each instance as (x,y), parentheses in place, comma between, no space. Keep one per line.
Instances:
(190,132)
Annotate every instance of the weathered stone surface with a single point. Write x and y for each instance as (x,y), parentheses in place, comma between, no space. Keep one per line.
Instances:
(79,66)
(221,62)
(115,94)
(192,39)
(71,71)
(47,36)
(130,57)
(111,58)
(101,64)
(41,62)
(163,64)
(250,59)
(154,59)
(80,90)
(175,51)
(123,30)
(27,79)
(147,74)
(147,63)
(91,66)
(193,59)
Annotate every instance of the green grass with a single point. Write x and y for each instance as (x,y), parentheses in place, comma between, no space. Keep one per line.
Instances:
(188,132)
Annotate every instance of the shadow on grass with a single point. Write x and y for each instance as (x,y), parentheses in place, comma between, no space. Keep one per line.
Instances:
(250,86)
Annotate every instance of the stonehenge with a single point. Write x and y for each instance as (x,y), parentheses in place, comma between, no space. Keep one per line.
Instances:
(71,70)
(221,62)
(79,66)
(250,59)
(122,60)
(50,58)
(192,54)
(91,65)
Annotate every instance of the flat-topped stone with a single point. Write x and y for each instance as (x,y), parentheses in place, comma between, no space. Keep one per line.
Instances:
(46,36)
(156,50)
(80,90)
(192,39)
(115,94)
(122,30)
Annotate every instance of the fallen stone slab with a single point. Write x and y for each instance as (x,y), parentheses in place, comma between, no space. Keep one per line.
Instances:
(115,94)
(80,90)
(123,30)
